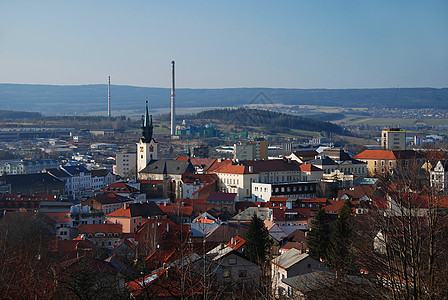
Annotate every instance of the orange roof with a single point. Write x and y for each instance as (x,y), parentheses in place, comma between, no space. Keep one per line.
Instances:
(309,168)
(219,164)
(204,220)
(278,199)
(375,154)
(236,243)
(233,169)
(175,208)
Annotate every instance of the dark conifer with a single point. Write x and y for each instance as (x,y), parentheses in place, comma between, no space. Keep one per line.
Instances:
(319,235)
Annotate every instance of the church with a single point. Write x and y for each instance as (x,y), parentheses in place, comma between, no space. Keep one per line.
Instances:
(149,167)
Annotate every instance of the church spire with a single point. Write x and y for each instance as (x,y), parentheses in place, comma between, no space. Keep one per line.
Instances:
(147,125)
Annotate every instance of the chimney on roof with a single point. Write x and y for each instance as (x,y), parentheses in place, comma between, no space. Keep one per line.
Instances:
(231,241)
(167,227)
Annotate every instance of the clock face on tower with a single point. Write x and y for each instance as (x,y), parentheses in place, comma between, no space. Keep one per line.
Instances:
(141,149)
(151,149)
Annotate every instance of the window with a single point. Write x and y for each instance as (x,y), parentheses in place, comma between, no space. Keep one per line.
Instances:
(232,261)
(242,273)
(226,274)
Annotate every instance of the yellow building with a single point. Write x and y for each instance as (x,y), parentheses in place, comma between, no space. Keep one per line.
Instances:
(393,139)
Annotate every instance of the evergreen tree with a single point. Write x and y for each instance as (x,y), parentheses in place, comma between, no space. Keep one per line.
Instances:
(339,249)
(258,240)
(319,236)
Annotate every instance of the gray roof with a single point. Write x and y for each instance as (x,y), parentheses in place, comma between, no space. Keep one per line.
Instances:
(325,161)
(31,179)
(289,258)
(247,214)
(174,167)
(76,170)
(315,281)
(58,173)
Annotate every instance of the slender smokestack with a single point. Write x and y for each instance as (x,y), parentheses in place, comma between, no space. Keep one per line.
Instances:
(173,114)
(108,96)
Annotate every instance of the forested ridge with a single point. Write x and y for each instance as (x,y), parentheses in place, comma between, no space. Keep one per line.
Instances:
(266,119)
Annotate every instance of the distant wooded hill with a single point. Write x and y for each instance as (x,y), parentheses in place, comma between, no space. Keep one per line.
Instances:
(268,121)
(84,99)
(15,115)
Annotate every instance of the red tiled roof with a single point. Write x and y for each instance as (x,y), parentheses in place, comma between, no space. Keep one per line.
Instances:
(219,164)
(103,228)
(222,197)
(119,187)
(278,199)
(233,169)
(295,245)
(357,192)
(376,154)
(174,208)
(28,197)
(59,217)
(298,213)
(107,198)
(388,154)
(334,206)
(309,168)
(203,178)
(236,243)
(131,210)
(126,242)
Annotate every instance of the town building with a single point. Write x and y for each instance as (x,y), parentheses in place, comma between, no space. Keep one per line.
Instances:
(393,139)
(386,161)
(126,164)
(133,215)
(23,166)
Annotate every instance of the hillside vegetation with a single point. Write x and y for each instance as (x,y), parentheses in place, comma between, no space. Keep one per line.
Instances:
(266,121)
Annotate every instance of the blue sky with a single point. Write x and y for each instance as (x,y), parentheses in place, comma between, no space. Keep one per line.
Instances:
(219,44)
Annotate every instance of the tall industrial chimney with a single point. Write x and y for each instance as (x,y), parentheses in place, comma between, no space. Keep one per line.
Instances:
(173,114)
(108,96)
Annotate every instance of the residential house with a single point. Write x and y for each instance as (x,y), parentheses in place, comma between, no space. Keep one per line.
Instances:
(63,229)
(198,185)
(439,177)
(290,264)
(236,179)
(178,212)
(303,190)
(101,178)
(23,202)
(107,202)
(133,215)
(386,161)
(80,182)
(235,267)
(223,202)
(84,215)
(102,235)
(24,166)
(161,234)
(121,189)
(302,156)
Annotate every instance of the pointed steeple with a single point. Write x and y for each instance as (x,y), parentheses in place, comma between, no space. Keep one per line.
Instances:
(147,127)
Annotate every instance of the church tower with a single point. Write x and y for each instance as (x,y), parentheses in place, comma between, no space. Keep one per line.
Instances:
(147,146)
